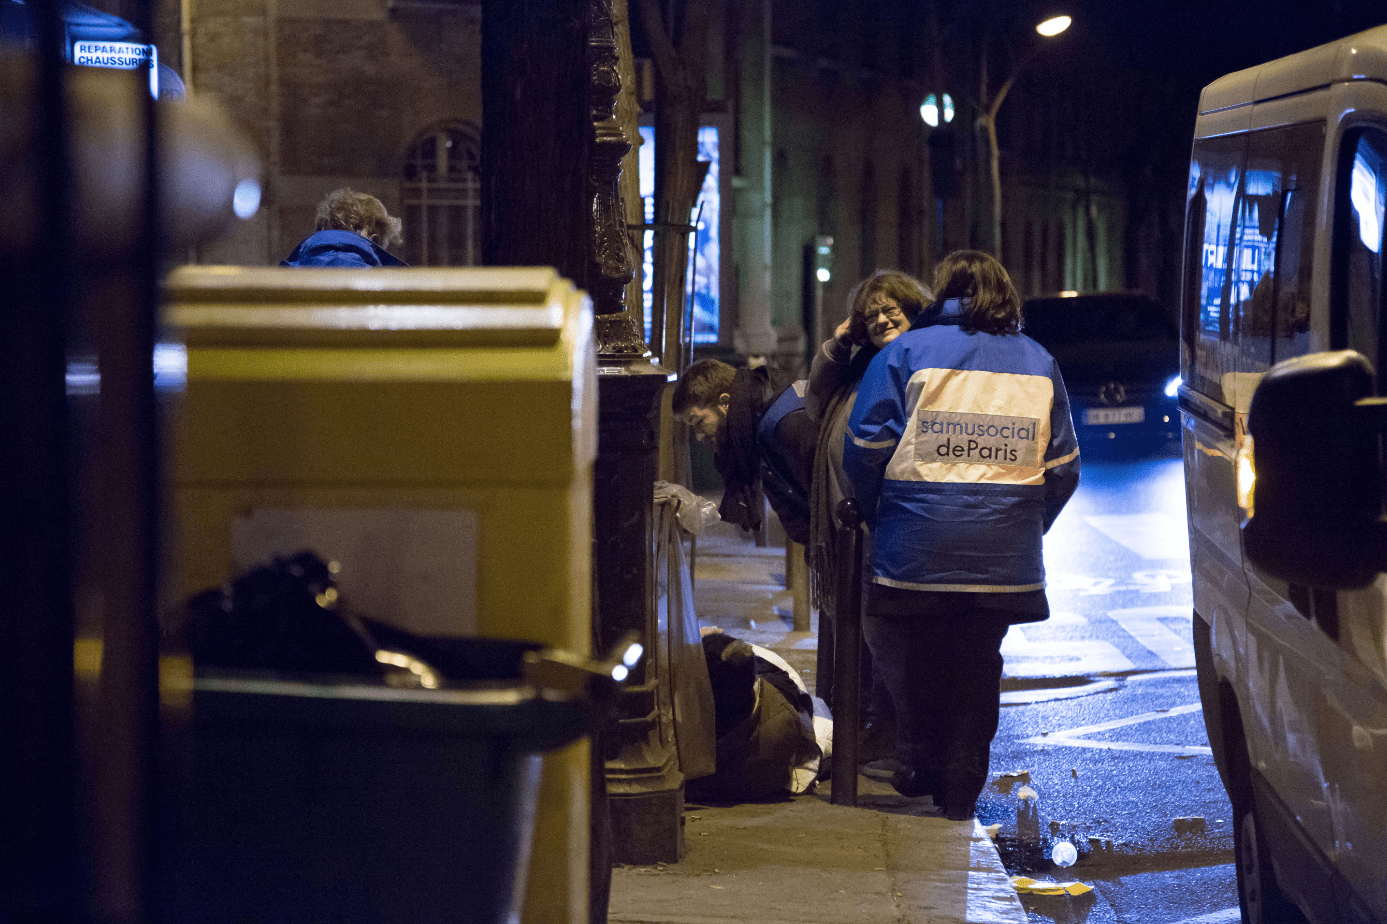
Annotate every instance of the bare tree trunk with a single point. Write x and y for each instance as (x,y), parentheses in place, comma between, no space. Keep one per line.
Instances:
(994,174)
(678,46)
(988,121)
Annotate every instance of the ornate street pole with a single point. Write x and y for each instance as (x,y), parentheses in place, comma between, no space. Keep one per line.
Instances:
(644,784)
(551,158)
(619,335)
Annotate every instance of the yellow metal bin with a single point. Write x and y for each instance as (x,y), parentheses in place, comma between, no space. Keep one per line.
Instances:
(431,430)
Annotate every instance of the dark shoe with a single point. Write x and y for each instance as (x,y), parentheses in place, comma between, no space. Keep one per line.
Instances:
(884,769)
(876,742)
(912,784)
(957,811)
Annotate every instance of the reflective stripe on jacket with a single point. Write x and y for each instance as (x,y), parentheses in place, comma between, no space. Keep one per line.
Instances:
(962,452)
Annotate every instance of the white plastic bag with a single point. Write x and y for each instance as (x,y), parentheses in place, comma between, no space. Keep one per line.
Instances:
(694,512)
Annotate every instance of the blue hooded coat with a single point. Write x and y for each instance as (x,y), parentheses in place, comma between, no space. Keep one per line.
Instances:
(340,248)
(962,452)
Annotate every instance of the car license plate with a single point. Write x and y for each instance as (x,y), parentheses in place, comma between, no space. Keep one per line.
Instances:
(1105,416)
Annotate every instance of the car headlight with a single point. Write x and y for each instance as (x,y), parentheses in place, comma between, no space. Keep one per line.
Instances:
(1172,387)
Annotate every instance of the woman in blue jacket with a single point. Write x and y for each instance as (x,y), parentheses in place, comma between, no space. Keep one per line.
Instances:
(962,452)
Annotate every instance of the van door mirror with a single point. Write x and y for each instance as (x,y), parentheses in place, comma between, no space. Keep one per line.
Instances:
(1317,496)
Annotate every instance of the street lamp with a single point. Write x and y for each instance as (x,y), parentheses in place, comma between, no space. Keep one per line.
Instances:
(937,109)
(987,119)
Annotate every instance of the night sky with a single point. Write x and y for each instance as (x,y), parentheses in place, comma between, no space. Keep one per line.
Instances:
(1154,56)
(1200,40)
(1159,53)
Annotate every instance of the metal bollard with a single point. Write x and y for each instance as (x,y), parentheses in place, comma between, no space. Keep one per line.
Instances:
(847,662)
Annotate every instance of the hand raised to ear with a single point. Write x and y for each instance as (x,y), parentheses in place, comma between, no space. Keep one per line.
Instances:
(842,333)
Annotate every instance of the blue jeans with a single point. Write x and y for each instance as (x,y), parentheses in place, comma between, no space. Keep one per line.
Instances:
(943,671)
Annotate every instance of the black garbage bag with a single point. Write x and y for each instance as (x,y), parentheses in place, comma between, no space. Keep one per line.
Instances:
(284,617)
(281,617)
(313,796)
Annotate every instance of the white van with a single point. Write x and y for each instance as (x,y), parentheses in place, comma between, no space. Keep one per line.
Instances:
(1283,325)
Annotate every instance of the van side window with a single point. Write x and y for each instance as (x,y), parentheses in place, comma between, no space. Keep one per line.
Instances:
(1356,289)
(1252,205)
(1215,187)
(1356,293)
(1277,242)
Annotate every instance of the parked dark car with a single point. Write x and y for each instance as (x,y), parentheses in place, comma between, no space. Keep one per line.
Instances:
(1119,354)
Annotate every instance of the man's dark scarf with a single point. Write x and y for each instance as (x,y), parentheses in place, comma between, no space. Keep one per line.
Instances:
(736,454)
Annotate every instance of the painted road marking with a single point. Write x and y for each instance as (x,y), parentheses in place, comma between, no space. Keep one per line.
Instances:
(1150,535)
(1025,658)
(1146,582)
(1222,916)
(1144,624)
(1073,737)
(1049,695)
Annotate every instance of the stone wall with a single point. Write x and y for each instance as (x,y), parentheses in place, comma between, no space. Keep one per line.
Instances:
(846,141)
(332,93)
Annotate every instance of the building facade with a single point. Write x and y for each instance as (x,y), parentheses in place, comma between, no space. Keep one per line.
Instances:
(383,96)
(824,169)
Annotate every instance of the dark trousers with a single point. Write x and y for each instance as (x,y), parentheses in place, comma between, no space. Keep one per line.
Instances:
(875,698)
(943,671)
(877,706)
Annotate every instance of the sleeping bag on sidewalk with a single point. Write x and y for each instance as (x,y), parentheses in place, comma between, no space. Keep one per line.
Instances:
(764,725)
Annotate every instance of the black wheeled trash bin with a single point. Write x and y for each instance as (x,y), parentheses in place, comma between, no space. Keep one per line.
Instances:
(312,800)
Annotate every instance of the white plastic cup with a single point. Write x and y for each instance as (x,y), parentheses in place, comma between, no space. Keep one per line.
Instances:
(1064,854)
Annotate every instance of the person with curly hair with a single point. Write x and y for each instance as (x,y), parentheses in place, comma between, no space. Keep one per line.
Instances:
(962,452)
(880,308)
(353,229)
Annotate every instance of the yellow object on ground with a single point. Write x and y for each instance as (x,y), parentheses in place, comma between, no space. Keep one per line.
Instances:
(1034,887)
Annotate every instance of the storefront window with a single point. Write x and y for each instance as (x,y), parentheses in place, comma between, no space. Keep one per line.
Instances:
(705,244)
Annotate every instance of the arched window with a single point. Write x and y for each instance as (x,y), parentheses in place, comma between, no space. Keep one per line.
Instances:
(441,194)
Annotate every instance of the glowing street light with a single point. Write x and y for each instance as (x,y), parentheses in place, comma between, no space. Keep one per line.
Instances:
(931,110)
(987,120)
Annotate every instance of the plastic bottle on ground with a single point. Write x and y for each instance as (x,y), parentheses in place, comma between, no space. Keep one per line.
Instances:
(1028,816)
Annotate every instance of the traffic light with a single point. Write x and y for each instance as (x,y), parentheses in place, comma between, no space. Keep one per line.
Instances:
(822,258)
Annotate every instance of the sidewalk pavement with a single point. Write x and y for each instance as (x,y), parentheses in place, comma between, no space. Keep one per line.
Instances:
(803,860)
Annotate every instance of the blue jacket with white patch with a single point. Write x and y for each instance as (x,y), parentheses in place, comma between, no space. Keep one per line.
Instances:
(962,453)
